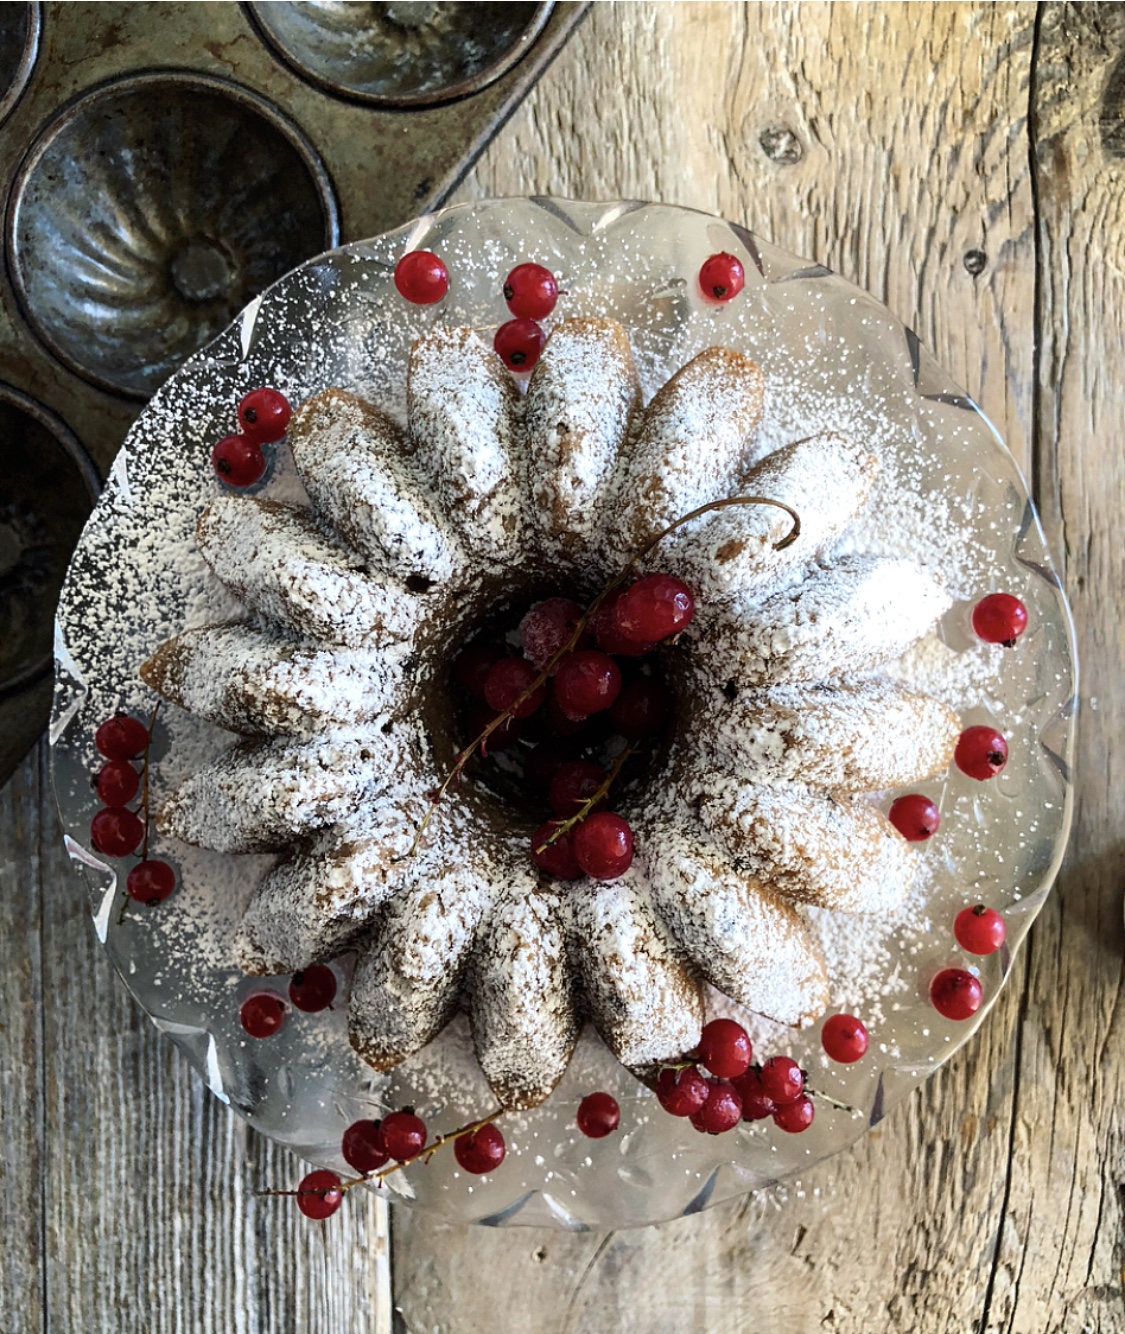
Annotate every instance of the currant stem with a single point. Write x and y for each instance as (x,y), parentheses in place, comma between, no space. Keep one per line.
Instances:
(832,1102)
(564,826)
(426,1153)
(788,540)
(428,1150)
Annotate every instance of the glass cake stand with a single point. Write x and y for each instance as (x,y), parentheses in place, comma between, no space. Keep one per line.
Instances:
(948,494)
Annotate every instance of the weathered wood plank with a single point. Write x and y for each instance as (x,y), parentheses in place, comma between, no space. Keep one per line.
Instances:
(22,1150)
(888,142)
(146,1185)
(1059,1263)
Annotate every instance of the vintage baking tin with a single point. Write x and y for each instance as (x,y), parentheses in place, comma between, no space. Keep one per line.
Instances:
(160,165)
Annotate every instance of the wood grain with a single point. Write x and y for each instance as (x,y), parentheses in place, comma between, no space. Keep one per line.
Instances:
(964,162)
(891,143)
(127,1190)
(22,1060)
(1061,1248)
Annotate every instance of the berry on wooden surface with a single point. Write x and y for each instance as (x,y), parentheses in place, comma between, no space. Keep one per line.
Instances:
(319,1194)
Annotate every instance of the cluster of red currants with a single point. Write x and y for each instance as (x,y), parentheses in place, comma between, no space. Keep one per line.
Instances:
(955,992)
(116,830)
(312,989)
(263,415)
(532,291)
(584,683)
(368,1146)
(734,1089)
(981,752)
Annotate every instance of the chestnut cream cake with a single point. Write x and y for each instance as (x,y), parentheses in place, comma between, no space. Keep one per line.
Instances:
(723,787)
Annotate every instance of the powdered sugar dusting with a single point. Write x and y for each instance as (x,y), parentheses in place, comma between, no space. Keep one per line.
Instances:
(138,580)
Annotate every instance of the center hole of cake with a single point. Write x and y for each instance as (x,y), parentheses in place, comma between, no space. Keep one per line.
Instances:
(545,762)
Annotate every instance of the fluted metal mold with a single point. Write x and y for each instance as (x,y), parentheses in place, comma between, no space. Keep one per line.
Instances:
(150,212)
(20,26)
(401,54)
(49,489)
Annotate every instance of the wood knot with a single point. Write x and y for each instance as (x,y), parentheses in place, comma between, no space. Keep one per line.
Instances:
(781,145)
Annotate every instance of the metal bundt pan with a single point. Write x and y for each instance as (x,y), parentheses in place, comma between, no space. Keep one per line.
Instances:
(153,184)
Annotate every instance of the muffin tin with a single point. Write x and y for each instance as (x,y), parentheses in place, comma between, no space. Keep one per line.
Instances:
(161,165)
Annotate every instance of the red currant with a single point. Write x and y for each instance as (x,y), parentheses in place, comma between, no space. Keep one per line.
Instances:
(238,461)
(641,710)
(724,1048)
(547,758)
(844,1038)
(721,278)
(573,785)
(117,783)
(603,846)
(121,737)
(603,626)
(363,1146)
(264,416)
(557,858)
(558,722)
(547,627)
(981,752)
(116,831)
(979,930)
(421,278)
(150,881)
(598,1115)
(721,1112)
(319,1194)
(586,682)
(313,989)
(682,1092)
(404,1135)
(956,994)
(1000,618)
(654,608)
(471,668)
(507,680)
(518,344)
(915,817)
(262,1014)
(795,1116)
(531,291)
(782,1079)
(481,1150)
(756,1102)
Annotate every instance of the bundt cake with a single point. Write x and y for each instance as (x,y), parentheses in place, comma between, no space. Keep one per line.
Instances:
(486,500)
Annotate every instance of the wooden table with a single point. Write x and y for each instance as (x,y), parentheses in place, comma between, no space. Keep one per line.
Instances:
(966,163)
